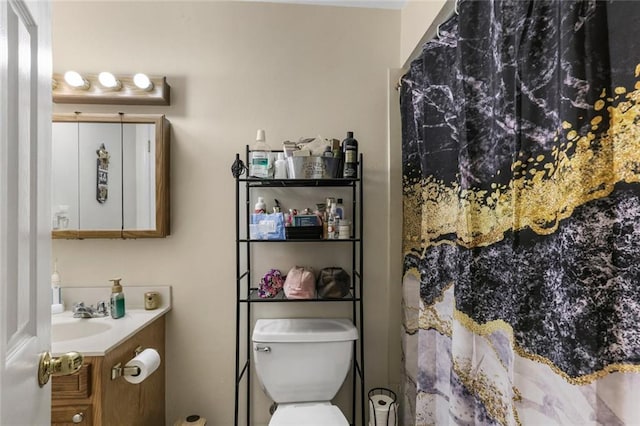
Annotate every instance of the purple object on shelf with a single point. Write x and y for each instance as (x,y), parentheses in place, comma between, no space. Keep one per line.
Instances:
(270,284)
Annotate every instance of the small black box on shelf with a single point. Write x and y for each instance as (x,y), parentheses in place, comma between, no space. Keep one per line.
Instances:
(303,232)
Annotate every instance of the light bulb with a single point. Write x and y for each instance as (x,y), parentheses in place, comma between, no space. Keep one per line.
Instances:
(109,81)
(74,79)
(142,81)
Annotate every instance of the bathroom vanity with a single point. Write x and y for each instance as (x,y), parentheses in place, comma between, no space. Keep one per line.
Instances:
(91,396)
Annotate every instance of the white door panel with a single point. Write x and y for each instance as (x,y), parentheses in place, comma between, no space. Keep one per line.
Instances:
(25,246)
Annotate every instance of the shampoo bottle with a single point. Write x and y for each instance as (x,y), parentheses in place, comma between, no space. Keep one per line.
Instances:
(350,154)
(117,299)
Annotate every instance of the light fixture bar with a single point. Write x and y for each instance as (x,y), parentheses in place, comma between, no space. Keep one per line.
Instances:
(128,94)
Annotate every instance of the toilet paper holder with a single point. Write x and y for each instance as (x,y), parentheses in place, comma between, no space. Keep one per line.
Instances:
(118,370)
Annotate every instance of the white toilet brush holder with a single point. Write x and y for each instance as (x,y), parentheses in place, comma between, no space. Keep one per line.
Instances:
(383,408)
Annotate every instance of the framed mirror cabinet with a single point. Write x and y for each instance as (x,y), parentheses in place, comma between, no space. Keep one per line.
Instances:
(110,176)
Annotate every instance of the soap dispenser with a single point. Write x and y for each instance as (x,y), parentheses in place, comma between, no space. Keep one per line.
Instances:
(117,299)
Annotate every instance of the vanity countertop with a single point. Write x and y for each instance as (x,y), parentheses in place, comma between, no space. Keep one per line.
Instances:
(101,335)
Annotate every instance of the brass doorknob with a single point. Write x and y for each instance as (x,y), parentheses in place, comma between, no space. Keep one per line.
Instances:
(63,365)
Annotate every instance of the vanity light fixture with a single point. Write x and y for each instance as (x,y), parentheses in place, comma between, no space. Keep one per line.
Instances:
(75,80)
(109,81)
(108,88)
(142,82)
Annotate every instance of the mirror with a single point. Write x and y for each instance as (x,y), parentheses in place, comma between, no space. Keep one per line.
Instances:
(110,176)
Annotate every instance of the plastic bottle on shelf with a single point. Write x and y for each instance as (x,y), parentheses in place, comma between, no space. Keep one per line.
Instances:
(340,209)
(260,206)
(281,167)
(344,230)
(56,292)
(350,155)
(333,223)
(259,159)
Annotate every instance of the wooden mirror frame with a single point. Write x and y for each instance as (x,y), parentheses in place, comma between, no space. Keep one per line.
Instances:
(162,135)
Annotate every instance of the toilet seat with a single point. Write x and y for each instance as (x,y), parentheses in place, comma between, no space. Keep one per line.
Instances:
(308,414)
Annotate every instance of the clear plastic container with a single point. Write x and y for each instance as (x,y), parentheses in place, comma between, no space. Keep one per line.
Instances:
(260,157)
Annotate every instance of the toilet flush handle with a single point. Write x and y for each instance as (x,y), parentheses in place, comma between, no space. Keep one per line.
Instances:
(259,348)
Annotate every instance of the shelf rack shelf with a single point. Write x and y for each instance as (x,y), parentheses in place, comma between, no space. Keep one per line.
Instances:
(246,291)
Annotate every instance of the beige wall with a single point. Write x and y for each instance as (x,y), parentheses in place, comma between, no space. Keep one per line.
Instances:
(234,67)
(417,16)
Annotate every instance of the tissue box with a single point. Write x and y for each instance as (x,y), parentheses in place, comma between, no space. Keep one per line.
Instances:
(306,220)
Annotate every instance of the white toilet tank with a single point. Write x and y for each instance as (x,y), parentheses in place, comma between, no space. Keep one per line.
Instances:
(302,359)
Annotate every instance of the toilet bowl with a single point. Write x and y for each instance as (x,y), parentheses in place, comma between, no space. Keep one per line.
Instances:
(301,364)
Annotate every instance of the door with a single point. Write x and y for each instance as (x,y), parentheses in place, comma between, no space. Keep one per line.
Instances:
(25,225)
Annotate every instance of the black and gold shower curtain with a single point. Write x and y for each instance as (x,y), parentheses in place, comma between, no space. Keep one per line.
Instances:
(521,189)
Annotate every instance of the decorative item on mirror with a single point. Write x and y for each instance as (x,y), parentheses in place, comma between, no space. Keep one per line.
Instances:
(102,164)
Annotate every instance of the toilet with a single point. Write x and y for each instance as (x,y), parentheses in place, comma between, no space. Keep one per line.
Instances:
(301,364)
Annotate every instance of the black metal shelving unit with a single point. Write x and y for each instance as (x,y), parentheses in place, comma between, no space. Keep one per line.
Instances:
(246,292)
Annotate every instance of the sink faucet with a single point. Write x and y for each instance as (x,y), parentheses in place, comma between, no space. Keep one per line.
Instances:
(101,309)
(80,310)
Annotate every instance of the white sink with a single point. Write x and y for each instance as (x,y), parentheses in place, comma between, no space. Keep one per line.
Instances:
(78,329)
(98,336)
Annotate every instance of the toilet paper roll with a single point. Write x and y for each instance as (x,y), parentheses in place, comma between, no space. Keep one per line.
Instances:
(382,411)
(147,361)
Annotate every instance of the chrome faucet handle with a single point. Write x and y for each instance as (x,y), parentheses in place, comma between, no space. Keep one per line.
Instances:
(101,308)
(82,311)
(80,307)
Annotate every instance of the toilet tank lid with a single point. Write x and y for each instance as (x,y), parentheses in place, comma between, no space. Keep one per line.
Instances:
(304,330)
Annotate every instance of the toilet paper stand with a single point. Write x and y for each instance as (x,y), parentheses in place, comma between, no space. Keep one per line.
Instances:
(383,408)
(118,370)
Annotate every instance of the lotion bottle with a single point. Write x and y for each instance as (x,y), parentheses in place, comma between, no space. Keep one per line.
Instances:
(260,206)
(56,293)
(117,299)
(281,167)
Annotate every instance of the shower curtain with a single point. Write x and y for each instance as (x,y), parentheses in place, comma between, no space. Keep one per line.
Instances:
(521,204)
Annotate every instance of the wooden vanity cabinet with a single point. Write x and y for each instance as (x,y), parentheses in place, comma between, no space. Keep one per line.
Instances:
(90,397)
